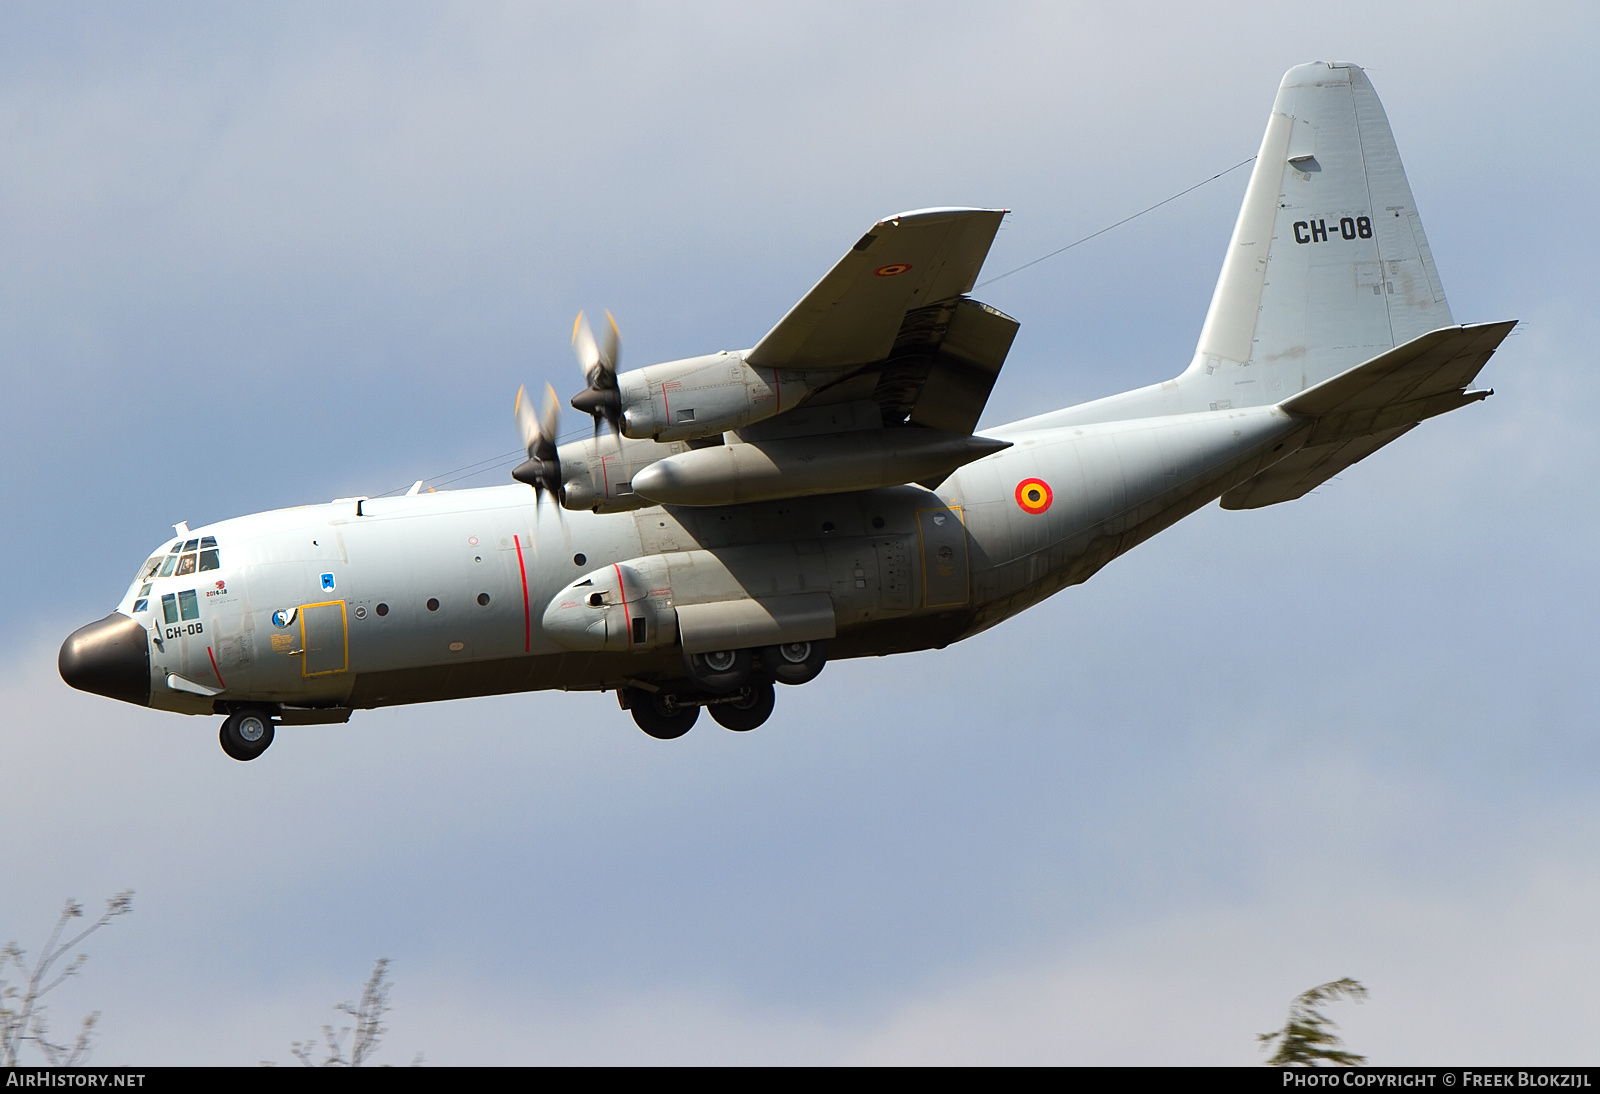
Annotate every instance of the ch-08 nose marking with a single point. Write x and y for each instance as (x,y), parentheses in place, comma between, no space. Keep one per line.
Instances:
(1316,231)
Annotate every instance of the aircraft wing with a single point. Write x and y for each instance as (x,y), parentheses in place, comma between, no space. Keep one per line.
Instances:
(854,315)
(1363,408)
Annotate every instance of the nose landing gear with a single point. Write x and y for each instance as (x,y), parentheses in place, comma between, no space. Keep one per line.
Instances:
(246,733)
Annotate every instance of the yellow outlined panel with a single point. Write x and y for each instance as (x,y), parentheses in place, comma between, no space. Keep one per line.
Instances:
(948,589)
(318,632)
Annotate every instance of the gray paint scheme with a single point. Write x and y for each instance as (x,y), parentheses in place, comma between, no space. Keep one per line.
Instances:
(1316,351)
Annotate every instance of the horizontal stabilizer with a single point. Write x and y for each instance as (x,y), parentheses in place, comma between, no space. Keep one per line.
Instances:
(852,316)
(1441,362)
(1364,408)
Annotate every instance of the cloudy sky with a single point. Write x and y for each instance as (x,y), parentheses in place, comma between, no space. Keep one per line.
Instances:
(257,256)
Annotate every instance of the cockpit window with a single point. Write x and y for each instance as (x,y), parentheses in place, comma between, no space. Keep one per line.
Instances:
(184,557)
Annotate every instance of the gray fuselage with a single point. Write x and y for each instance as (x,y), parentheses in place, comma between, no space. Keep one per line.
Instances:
(356,604)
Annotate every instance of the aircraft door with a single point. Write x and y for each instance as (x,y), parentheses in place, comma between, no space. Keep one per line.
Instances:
(943,538)
(324,638)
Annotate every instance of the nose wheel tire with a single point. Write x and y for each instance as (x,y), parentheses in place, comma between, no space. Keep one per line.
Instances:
(660,715)
(753,707)
(246,733)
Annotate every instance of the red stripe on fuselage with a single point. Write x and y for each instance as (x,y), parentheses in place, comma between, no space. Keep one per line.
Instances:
(527,616)
(623,593)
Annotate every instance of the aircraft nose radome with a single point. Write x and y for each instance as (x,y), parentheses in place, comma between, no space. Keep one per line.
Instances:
(110,657)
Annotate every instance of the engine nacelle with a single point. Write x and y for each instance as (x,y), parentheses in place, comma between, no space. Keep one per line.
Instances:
(697,599)
(597,473)
(611,608)
(707,396)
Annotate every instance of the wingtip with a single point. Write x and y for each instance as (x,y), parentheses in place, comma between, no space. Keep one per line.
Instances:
(937,213)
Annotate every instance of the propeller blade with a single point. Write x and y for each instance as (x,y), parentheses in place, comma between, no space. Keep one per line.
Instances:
(600,398)
(527,421)
(584,346)
(549,421)
(542,469)
(611,349)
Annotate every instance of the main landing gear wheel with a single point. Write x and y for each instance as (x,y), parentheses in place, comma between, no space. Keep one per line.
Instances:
(246,733)
(719,671)
(795,662)
(661,715)
(752,707)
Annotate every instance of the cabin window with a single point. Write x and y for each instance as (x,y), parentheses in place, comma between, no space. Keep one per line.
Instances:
(152,567)
(169,608)
(140,605)
(208,560)
(185,565)
(167,564)
(189,604)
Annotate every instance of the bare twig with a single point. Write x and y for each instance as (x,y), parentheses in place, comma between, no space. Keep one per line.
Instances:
(368,1031)
(22,1014)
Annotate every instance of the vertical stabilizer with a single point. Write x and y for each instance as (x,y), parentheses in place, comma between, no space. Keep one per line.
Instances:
(1328,265)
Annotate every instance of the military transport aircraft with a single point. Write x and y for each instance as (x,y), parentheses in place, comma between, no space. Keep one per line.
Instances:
(739,518)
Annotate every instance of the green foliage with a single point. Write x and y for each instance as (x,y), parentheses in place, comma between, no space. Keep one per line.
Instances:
(1307,1038)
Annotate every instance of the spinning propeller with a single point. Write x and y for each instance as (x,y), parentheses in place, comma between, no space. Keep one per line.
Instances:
(542,469)
(600,399)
